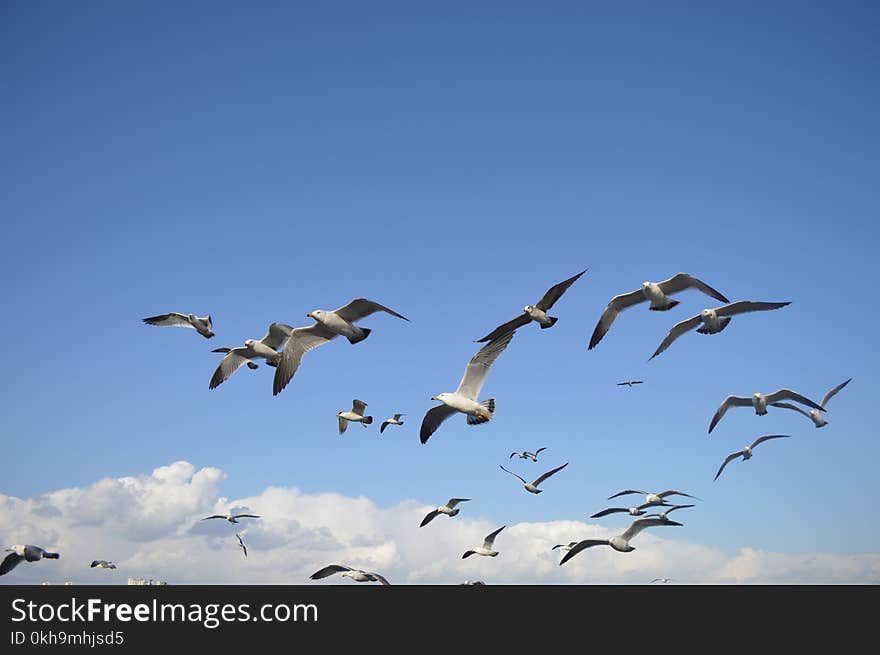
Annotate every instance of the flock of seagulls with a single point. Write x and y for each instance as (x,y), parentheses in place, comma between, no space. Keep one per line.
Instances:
(284,346)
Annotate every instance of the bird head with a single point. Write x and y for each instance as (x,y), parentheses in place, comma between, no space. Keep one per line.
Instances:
(706,313)
(250,342)
(315,314)
(528,308)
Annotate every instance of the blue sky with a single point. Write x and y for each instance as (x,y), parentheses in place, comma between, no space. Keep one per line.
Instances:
(452,162)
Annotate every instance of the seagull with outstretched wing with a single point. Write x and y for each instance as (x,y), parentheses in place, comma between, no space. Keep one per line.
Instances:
(201,324)
(448,509)
(266,348)
(746,453)
(619,543)
(347,572)
(760,401)
(532,487)
(815,415)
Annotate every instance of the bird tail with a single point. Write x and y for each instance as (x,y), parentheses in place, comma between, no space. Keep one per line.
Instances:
(51,555)
(724,321)
(552,322)
(367,420)
(489,405)
(365,332)
(662,308)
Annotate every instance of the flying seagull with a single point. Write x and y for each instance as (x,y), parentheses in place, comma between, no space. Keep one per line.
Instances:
(533,486)
(347,572)
(231,518)
(486,549)
(202,324)
(632,511)
(657,294)
(565,547)
(464,399)
(661,580)
(328,325)
(266,348)
(714,320)
(630,383)
(391,421)
(653,499)
(536,312)
(251,365)
(103,564)
(241,544)
(527,455)
(816,416)
(760,401)
(664,516)
(474,582)
(356,414)
(21,553)
(448,509)
(746,453)
(619,543)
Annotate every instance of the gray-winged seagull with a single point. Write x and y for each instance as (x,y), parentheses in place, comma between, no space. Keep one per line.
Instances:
(448,509)
(241,544)
(760,401)
(202,324)
(232,518)
(653,499)
(102,564)
(632,511)
(619,543)
(347,572)
(486,550)
(24,553)
(356,414)
(527,455)
(395,420)
(266,348)
(746,453)
(532,487)
(815,415)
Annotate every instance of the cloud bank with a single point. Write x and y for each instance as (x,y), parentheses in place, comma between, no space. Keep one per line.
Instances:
(150,526)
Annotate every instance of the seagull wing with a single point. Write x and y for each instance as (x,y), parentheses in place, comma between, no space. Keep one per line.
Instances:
(478,368)
(229,365)
(682,281)
(582,545)
(378,578)
(455,501)
(610,510)
(539,450)
(640,524)
(675,507)
(548,474)
(513,474)
(504,328)
(276,335)
(794,407)
(788,394)
(490,538)
(329,570)
(428,518)
(358,407)
(384,425)
(617,305)
(745,306)
(300,341)
(555,292)
(360,308)
(343,424)
(246,516)
(730,401)
(828,396)
(10,562)
(433,418)
(215,516)
(728,460)
(673,492)
(172,319)
(767,437)
(677,330)
(626,492)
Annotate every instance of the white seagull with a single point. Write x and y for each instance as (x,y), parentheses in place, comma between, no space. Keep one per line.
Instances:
(532,487)
(103,564)
(527,455)
(619,543)
(661,580)
(356,414)
(241,544)
(448,509)
(630,383)
(464,399)
(746,453)
(656,293)
(653,499)
(21,553)
(632,511)
(536,312)
(395,420)
(230,517)
(486,549)
(266,348)
(664,516)
(815,415)
(347,572)
(328,325)
(760,401)
(714,320)
(473,582)
(202,324)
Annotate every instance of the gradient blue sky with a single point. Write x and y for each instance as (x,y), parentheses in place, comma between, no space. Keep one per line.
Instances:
(451,161)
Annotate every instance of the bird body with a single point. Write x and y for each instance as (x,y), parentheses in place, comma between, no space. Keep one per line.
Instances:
(448,509)
(487,549)
(527,455)
(356,414)
(619,542)
(201,324)
(759,402)
(395,420)
(103,564)
(746,452)
(232,518)
(532,487)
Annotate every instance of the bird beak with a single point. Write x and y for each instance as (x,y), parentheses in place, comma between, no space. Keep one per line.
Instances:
(433,397)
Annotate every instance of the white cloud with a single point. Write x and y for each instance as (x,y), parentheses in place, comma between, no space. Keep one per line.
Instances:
(150,526)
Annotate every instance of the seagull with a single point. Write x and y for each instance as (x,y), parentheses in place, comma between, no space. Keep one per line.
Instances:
(241,544)
(103,564)
(536,312)
(266,348)
(447,509)
(24,552)
(760,401)
(653,499)
(474,582)
(632,511)
(714,320)
(202,324)
(565,547)
(251,365)
(656,293)
(231,518)
(661,580)
(664,516)
(391,421)
(486,548)
(630,383)
(746,453)
(464,399)
(347,572)
(533,486)
(619,543)
(815,415)
(328,325)
(356,414)
(527,455)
